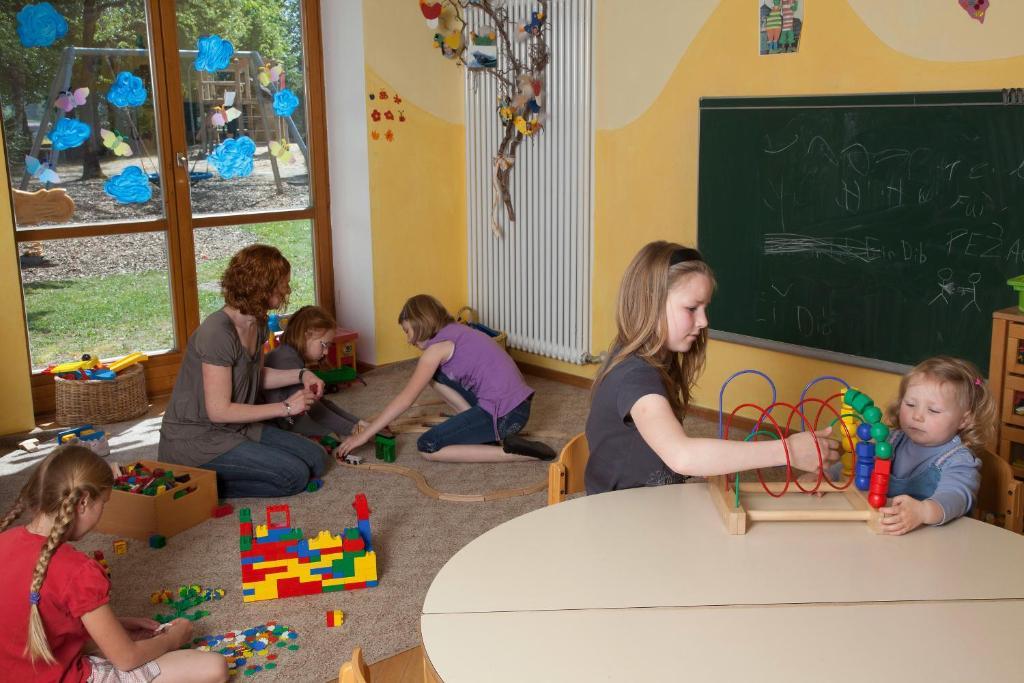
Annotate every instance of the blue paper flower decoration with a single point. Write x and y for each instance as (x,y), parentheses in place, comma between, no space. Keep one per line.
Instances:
(131,186)
(233,158)
(285,102)
(127,91)
(214,53)
(69,133)
(40,25)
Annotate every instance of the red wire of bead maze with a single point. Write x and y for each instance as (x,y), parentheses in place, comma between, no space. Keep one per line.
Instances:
(794,411)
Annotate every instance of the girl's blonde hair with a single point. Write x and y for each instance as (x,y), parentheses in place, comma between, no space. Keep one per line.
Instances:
(642,324)
(306,319)
(55,488)
(425,315)
(971,393)
(252,278)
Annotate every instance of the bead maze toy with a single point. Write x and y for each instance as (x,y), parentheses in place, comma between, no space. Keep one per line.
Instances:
(856,416)
(279,562)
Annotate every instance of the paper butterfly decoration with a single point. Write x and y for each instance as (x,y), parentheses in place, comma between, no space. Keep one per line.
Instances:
(69,99)
(282,150)
(272,73)
(223,114)
(115,143)
(43,172)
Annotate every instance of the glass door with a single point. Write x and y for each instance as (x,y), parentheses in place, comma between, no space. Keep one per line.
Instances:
(243,79)
(142,153)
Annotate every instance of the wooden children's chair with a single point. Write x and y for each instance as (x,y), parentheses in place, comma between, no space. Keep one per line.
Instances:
(1000,495)
(565,475)
(354,670)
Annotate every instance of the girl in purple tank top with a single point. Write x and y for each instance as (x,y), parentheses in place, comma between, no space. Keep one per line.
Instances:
(477,379)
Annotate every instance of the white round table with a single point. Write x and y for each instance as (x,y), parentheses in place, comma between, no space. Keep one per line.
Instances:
(646,585)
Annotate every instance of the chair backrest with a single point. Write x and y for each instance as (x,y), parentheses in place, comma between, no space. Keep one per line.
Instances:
(565,475)
(354,670)
(1000,494)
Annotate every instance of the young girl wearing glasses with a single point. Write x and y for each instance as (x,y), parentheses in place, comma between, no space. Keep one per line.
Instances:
(307,339)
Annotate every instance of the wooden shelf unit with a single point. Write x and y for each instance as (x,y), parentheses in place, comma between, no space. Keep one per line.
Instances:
(1006,380)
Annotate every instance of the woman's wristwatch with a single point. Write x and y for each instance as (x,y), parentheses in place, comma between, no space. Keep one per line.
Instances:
(287,409)
(301,373)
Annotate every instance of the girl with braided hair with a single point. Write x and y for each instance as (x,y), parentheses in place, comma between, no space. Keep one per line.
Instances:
(54,599)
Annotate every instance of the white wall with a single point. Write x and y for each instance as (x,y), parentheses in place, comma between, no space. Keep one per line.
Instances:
(344,75)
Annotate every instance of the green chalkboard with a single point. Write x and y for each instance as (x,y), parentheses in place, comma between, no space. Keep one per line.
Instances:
(873,229)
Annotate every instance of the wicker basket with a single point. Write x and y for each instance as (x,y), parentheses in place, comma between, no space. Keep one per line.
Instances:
(101,401)
(467,316)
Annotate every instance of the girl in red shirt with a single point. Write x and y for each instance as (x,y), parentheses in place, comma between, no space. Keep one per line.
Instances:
(55,599)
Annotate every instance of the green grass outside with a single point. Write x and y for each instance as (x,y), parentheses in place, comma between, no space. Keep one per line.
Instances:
(118,314)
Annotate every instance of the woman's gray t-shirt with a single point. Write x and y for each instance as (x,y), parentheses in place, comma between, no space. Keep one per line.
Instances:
(619,456)
(187,436)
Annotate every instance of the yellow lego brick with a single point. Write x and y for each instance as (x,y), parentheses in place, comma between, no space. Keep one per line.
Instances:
(261,531)
(325,539)
(366,567)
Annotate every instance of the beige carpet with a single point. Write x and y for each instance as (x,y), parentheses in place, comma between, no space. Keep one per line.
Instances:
(413,535)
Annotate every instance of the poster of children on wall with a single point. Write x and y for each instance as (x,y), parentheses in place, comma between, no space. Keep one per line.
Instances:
(782,22)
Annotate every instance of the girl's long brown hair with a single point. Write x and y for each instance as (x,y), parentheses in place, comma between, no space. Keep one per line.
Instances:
(252,278)
(643,327)
(55,488)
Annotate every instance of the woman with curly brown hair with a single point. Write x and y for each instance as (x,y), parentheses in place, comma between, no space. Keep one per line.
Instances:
(212,420)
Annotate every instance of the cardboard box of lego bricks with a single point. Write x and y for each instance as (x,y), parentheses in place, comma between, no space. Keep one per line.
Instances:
(168,510)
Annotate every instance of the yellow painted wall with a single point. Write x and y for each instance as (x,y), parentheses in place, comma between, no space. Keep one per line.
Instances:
(16,397)
(646,124)
(418,181)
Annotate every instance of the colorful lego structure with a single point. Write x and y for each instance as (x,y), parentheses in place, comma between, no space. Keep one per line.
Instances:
(335,618)
(279,562)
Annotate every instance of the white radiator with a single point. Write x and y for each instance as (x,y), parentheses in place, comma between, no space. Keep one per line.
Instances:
(535,282)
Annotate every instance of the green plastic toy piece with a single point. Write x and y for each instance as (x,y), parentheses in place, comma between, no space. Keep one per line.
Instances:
(385,447)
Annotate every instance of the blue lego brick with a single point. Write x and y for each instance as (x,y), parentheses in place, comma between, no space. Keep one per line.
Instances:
(248,591)
(364,531)
(252,560)
(322,571)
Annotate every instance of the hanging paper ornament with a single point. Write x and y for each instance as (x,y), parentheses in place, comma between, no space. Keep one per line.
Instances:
(282,150)
(375,135)
(483,51)
(69,99)
(116,143)
(532,27)
(375,115)
(68,133)
(43,172)
(450,45)
(214,54)
(285,102)
(272,73)
(128,90)
(40,25)
(397,100)
(225,113)
(431,12)
(975,9)
(233,158)
(131,186)
(389,136)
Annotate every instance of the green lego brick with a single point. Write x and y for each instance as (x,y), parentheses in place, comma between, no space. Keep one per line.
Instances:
(244,515)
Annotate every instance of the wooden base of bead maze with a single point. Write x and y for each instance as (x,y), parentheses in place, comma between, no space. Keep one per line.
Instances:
(738,519)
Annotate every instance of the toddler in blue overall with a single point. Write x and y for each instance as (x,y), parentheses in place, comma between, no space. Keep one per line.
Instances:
(944,411)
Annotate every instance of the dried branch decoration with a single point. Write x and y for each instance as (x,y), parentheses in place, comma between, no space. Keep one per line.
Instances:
(520,82)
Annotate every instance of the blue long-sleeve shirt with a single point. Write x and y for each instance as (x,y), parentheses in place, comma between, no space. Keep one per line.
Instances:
(961,473)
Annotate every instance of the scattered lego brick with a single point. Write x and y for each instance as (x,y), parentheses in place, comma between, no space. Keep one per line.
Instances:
(335,618)
(120,547)
(188,597)
(240,648)
(157,541)
(223,510)
(314,485)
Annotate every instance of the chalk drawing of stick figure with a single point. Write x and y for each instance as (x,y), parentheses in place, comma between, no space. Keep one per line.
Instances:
(974,279)
(946,285)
